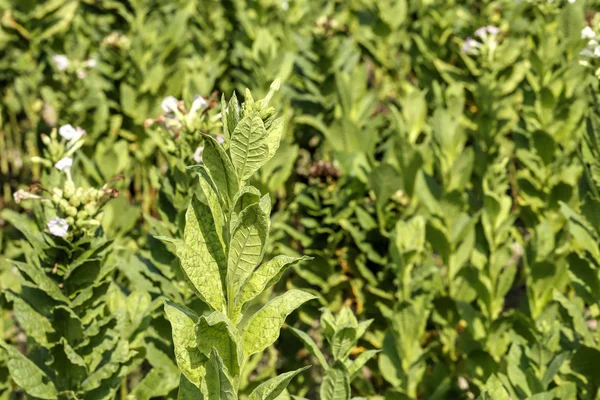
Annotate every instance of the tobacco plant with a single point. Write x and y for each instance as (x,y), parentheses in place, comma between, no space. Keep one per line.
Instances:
(221,252)
(79,344)
(342,332)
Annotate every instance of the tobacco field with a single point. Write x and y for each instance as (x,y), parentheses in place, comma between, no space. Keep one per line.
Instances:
(299,199)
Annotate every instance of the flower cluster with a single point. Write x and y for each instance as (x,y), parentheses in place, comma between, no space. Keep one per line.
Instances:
(78,209)
(61,145)
(488,41)
(180,130)
(80,68)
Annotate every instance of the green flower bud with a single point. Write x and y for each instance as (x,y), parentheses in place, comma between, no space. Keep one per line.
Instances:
(94,222)
(91,208)
(64,204)
(70,220)
(71,211)
(69,189)
(56,199)
(83,214)
(90,195)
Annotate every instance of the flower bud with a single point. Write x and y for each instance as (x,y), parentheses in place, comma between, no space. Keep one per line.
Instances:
(71,211)
(70,220)
(83,214)
(90,195)
(91,209)
(64,204)
(68,189)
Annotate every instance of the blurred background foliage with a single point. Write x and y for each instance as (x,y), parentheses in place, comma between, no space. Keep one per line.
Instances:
(444,178)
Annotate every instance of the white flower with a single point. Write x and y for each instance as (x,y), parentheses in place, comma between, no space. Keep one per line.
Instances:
(597,52)
(481,33)
(462,383)
(493,30)
(588,33)
(586,53)
(70,133)
(571,1)
(285,5)
(64,164)
(470,46)
(91,63)
(198,104)
(169,104)
(21,195)
(198,154)
(61,61)
(58,227)
(81,74)
(220,139)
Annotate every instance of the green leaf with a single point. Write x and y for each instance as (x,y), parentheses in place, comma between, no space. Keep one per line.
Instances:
(221,170)
(336,383)
(188,391)
(249,150)
(274,136)
(585,362)
(201,254)
(272,388)
(27,375)
(266,275)
(190,360)
(263,327)
(342,342)
(233,115)
(217,332)
(311,346)
(218,382)
(247,245)
(214,203)
(42,281)
(355,365)
(34,324)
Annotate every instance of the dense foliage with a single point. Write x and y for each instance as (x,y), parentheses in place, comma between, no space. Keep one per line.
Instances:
(425,172)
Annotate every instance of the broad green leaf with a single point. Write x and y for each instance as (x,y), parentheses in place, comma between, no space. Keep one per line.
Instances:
(249,150)
(342,342)
(215,331)
(247,196)
(266,275)
(201,254)
(336,383)
(263,327)
(218,383)
(272,388)
(214,203)
(311,346)
(27,227)
(274,136)
(39,277)
(247,245)
(221,170)
(27,375)
(35,325)
(190,360)
(188,391)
